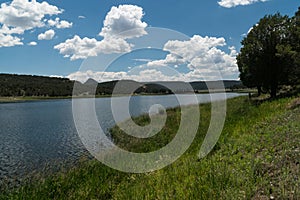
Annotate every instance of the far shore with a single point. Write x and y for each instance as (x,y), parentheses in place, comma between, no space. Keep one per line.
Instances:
(20,99)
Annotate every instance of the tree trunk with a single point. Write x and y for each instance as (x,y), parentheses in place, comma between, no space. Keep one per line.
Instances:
(259,90)
(273,91)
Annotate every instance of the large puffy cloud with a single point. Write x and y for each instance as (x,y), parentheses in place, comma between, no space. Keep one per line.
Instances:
(78,48)
(48,35)
(60,24)
(199,53)
(234,3)
(26,14)
(125,20)
(81,48)
(188,51)
(18,16)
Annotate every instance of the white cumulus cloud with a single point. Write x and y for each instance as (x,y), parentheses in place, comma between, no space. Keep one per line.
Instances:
(121,23)
(19,16)
(200,54)
(9,40)
(8,31)
(124,21)
(171,59)
(48,35)
(234,3)
(60,24)
(32,43)
(82,48)
(26,14)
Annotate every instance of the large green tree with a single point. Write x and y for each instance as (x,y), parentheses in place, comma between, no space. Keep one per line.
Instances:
(289,51)
(260,63)
(295,47)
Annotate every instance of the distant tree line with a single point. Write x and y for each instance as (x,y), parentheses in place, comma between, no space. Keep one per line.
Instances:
(26,85)
(270,54)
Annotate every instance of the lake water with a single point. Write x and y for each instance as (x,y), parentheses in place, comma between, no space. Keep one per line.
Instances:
(35,134)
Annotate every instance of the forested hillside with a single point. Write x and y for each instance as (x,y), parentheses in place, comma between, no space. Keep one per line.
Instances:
(27,85)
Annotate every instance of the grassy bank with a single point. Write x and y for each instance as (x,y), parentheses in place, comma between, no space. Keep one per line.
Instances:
(256,157)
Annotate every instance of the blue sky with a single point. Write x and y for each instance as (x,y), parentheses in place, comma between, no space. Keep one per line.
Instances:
(222,23)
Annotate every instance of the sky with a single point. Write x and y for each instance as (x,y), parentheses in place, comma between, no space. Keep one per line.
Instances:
(143,40)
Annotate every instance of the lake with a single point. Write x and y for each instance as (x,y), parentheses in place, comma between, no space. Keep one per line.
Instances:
(42,133)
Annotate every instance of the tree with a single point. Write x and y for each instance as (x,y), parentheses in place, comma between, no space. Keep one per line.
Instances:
(295,46)
(259,63)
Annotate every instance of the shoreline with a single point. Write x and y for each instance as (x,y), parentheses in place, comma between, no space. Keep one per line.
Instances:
(4,100)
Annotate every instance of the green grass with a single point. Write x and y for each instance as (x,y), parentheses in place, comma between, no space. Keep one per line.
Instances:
(257,157)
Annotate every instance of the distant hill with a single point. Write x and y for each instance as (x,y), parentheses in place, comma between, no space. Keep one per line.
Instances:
(27,85)
(91,82)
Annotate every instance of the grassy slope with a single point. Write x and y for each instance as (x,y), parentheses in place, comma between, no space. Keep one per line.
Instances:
(257,157)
